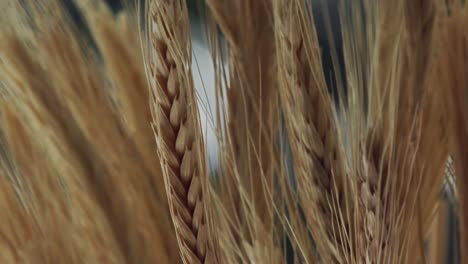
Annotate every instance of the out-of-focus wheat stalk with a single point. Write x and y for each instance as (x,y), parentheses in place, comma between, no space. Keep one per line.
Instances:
(107,204)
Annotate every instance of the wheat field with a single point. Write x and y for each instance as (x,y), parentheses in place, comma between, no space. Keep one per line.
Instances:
(105,155)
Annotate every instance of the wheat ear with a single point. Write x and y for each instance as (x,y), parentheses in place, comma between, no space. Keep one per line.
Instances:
(311,128)
(395,171)
(177,133)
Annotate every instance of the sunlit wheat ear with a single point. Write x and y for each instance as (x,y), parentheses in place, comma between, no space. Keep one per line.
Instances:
(312,132)
(177,130)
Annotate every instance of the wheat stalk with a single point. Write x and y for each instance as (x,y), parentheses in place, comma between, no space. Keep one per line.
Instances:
(311,127)
(396,168)
(177,134)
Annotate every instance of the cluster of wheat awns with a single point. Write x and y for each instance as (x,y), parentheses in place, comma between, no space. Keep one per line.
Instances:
(102,153)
